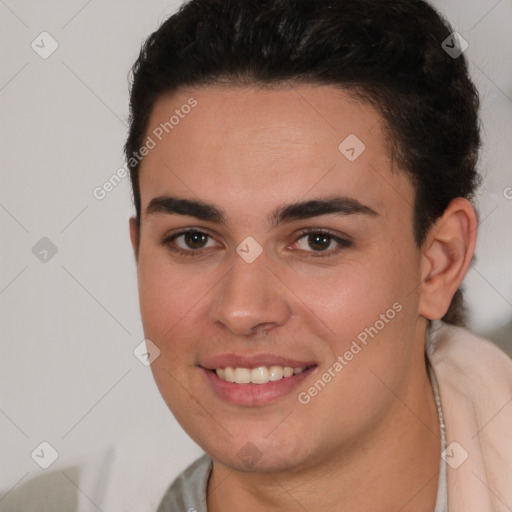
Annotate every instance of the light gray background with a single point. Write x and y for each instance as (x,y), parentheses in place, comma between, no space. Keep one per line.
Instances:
(69,326)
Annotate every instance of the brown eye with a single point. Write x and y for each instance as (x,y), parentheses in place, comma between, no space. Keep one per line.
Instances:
(195,239)
(188,243)
(317,242)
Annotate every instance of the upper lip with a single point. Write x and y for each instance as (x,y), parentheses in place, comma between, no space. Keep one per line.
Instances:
(251,361)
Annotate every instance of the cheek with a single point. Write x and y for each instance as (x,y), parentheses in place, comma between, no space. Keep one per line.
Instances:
(357,292)
(169,302)
(166,293)
(371,316)
(371,303)
(174,301)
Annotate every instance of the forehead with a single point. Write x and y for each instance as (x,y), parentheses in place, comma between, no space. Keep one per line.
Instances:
(266,146)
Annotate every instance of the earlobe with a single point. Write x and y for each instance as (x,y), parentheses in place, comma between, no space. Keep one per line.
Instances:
(134,236)
(446,255)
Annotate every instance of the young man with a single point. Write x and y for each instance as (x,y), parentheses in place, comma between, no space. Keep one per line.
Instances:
(302,174)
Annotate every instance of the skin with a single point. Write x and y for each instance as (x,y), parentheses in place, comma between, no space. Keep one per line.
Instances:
(370,439)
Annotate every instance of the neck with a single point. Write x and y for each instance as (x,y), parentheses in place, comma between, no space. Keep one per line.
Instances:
(395,468)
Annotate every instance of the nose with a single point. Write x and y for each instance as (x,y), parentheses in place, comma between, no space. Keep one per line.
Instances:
(250,300)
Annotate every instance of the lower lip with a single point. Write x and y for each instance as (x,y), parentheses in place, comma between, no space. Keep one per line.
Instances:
(255,394)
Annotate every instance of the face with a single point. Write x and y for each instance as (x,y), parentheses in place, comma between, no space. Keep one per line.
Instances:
(271,237)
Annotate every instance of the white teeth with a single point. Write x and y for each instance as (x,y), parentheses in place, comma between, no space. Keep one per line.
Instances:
(229,374)
(259,375)
(276,372)
(288,371)
(242,375)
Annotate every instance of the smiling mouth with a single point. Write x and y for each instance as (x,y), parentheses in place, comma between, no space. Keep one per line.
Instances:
(258,375)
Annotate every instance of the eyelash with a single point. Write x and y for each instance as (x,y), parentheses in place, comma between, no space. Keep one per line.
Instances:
(343,243)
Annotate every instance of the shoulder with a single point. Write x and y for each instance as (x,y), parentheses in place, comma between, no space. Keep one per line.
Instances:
(188,490)
(464,358)
(474,378)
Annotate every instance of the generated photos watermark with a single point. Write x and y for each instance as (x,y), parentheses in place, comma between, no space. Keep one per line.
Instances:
(356,347)
(101,191)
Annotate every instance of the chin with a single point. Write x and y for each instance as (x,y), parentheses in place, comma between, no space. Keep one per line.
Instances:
(257,454)
(250,460)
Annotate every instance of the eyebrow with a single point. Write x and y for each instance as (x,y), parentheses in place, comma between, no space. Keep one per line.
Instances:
(339,205)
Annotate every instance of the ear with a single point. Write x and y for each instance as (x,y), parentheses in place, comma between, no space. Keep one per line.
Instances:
(446,255)
(134,237)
